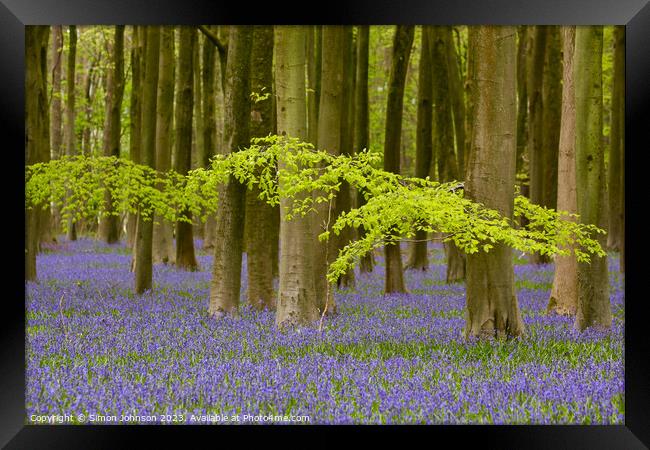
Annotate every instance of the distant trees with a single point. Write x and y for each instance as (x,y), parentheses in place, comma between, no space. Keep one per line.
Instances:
(492,106)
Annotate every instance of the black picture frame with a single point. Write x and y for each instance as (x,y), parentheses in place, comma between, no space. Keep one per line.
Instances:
(635,14)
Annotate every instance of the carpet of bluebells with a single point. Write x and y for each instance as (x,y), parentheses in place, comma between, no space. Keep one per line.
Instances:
(93,347)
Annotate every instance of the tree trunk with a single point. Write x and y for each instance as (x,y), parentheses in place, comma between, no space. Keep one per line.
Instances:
(228,245)
(424,141)
(135,115)
(329,139)
(457,103)
(536,124)
(144,232)
(361,126)
(56,131)
(211,221)
(621,44)
(314,67)
(444,137)
(163,230)
(182,160)
(297,298)
(402,44)
(197,129)
(552,93)
(69,132)
(108,227)
(564,294)
(89,87)
(344,197)
(44,225)
(593,285)
(492,309)
(260,238)
(36,129)
(209,123)
(615,228)
(523,50)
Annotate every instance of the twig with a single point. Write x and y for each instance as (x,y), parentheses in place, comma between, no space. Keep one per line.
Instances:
(327,285)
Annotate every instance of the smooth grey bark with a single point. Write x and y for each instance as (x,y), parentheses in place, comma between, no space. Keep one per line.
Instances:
(296,304)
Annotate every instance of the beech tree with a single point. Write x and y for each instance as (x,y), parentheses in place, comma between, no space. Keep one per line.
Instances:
(329,139)
(69,131)
(297,304)
(616,148)
(135,115)
(56,118)
(536,122)
(492,308)
(163,230)
(343,201)
(144,227)
(361,119)
(109,231)
(226,272)
(594,308)
(402,44)
(552,106)
(260,236)
(185,258)
(564,293)
(418,258)
(523,50)
(444,135)
(36,129)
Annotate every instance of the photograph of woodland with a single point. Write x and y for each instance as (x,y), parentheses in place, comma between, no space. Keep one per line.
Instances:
(324,224)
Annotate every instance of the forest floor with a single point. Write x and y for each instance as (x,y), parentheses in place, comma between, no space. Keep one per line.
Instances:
(94,348)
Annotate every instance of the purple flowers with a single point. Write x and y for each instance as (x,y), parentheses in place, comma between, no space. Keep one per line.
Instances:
(94,348)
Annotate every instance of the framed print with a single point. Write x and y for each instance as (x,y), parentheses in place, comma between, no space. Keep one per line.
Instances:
(404,218)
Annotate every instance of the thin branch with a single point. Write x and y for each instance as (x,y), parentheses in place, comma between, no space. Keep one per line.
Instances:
(212,37)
